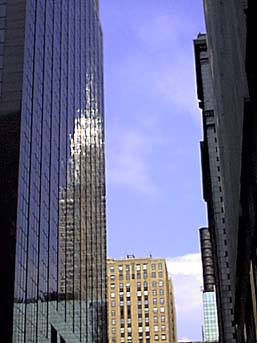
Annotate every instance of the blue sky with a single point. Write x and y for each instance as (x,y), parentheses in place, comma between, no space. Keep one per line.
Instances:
(153,129)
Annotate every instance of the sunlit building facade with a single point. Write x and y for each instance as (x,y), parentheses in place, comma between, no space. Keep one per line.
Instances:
(52,173)
(141,307)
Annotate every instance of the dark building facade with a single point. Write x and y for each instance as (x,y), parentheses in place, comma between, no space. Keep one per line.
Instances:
(52,172)
(226,80)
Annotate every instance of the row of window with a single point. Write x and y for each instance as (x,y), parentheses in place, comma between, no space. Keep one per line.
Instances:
(139,293)
(138,276)
(155,318)
(140,328)
(156,338)
(127,268)
(155,309)
(155,284)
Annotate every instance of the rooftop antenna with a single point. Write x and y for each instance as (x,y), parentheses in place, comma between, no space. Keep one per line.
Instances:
(202,333)
(131,256)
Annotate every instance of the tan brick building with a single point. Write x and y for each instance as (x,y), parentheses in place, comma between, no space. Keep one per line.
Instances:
(141,305)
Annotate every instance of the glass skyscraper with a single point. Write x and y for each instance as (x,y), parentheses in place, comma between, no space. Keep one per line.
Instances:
(211,329)
(52,172)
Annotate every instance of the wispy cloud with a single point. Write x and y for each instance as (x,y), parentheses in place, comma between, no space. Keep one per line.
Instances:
(171,80)
(129,162)
(185,339)
(186,272)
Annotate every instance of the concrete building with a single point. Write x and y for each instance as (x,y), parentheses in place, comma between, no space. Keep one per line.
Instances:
(141,304)
(52,175)
(213,184)
(226,82)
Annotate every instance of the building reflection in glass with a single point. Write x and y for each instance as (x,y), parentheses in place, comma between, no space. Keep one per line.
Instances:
(82,228)
(52,126)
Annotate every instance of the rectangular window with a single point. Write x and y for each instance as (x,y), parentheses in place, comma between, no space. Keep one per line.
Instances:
(53,335)
(2,23)
(3,10)
(2,34)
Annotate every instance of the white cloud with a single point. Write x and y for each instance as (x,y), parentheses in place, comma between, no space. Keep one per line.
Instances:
(173,78)
(185,339)
(129,162)
(186,272)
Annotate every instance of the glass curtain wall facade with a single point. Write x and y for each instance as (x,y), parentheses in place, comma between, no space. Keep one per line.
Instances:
(211,330)
(52,120)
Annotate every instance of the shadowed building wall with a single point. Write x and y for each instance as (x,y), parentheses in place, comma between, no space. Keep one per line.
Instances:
(226,78)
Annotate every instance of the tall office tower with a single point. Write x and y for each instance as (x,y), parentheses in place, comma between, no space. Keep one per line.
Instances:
(213,188)
(52,173)
(226,78)
(141,304)
(211,330)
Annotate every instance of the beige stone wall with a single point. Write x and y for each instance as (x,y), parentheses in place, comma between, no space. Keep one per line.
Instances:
(141,305)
